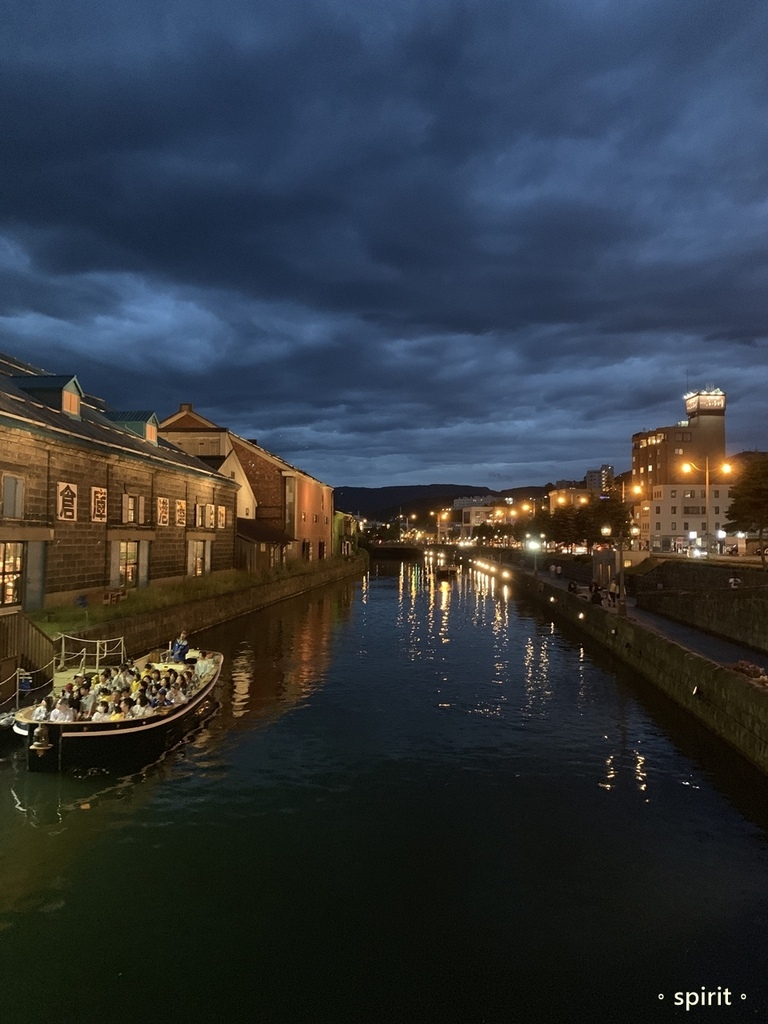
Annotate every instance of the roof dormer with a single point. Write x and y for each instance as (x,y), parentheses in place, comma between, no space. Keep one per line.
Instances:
(144,424)
(61,392)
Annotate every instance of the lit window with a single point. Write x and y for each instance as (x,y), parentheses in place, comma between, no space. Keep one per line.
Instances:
(10,573)
(129,563)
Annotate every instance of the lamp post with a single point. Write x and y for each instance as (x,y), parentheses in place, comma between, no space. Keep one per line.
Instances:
(724,468)
(621,606)
(535,546)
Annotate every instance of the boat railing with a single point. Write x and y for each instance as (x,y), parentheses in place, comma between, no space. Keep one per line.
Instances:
(26,691)
(85,654)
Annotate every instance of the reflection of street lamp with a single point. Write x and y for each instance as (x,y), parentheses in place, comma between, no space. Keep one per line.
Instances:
(724,468)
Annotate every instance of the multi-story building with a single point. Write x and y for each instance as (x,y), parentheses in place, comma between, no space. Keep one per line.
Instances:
(598,481)
(473,516)
(282,512)
(475,500)
(93,501)
(680,478)
(565,497)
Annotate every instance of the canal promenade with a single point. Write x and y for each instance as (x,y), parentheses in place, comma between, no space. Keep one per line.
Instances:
(716,649)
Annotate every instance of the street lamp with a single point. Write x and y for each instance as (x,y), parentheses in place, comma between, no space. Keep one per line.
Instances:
(724,468)
(634,531)
(535,546)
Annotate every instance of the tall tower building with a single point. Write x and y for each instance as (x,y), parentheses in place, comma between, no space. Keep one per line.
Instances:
(678,507)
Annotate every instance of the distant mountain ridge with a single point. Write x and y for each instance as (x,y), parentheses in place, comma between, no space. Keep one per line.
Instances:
(385,502)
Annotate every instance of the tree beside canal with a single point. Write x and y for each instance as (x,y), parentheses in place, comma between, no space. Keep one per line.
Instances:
(748,511)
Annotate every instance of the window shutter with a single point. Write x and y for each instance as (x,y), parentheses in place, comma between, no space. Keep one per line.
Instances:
(126,513)
(142,508)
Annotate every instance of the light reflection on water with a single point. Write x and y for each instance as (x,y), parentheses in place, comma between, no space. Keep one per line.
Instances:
(419,801)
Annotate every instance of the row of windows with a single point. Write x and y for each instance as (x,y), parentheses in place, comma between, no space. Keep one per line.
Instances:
(686,527)
(315,518)
(208,515)
(689,510)
(691,494)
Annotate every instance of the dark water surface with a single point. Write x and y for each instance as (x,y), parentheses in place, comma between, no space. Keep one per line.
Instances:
(418,802)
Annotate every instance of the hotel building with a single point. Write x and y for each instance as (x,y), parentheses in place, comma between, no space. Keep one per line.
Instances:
(677,507)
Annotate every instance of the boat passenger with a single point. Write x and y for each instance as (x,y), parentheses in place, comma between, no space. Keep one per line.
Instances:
(142,708)
(175,696)
(204,665)
(102,712)
(87,701)
(43,710)
(62,712)
(159,700)
(180,647)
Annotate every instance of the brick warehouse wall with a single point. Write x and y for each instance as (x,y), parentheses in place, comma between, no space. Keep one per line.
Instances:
(78,554)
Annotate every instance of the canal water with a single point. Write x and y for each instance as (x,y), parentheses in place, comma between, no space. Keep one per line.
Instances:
(419,801)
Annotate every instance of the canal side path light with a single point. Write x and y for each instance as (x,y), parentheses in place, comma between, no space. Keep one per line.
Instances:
(724,468)
(535,546)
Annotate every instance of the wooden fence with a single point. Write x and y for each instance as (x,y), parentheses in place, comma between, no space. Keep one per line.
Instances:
(23,646)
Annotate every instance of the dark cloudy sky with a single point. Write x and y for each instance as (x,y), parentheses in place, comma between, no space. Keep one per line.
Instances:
(395,241)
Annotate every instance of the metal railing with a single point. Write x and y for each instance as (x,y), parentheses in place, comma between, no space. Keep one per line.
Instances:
(28,688)
(75,652)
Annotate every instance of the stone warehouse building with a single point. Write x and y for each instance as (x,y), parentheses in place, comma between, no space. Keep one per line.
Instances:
(93,501)
(283,513)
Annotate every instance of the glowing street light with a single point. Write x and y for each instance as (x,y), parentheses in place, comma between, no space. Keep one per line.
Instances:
(688,467)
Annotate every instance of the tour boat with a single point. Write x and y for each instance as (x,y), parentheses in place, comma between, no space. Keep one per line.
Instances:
(58,746)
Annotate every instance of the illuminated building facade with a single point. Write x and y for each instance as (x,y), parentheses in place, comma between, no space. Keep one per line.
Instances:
(674,507)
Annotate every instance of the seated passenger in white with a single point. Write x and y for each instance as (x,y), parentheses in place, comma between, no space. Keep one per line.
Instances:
(102,712)
(203,665)
(175,696)
(62,713)
(42,711)
(142,708)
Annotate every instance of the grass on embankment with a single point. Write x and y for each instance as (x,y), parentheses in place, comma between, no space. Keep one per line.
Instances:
(70,618)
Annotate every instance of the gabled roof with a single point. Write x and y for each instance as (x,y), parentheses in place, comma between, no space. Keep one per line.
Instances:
(246,450)
(95,430)
(47,382)
(145,416)
(187,419)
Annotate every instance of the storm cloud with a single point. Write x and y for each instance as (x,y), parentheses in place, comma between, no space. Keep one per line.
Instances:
(396,243)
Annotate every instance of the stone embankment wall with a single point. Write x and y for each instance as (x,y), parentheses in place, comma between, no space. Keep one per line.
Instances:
(682,574)
(700,596)
(156,629)
(739,615)
(729,703)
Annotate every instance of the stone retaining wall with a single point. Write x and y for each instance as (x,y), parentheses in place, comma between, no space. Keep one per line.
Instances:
(729,703)
(156,629)
(739,615)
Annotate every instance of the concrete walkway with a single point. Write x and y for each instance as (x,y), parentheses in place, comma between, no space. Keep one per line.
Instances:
(724,652)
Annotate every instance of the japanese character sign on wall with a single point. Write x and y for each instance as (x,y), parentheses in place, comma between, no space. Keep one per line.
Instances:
(66,501)
(163,511)
(221,512)
(98,504)
(181,512)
